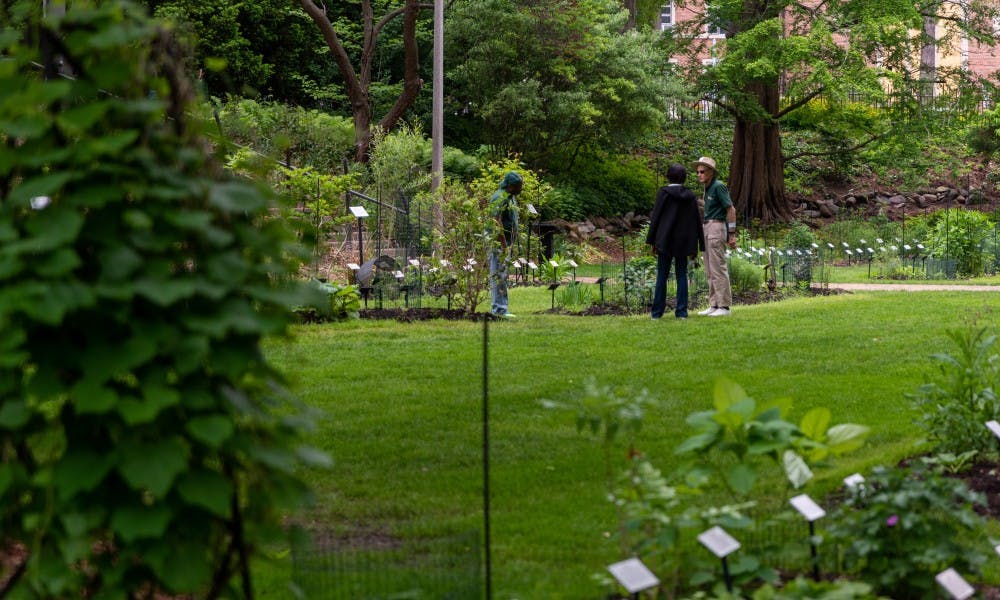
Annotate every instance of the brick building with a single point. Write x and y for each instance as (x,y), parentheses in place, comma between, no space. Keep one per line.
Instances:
(979,59)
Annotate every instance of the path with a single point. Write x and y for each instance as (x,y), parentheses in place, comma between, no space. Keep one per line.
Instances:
(911,287)
(885,287)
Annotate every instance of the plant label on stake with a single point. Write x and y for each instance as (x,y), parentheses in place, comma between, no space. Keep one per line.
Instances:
(811,511)
(531,209)
(633,575)
(722,545)
(353,266)
(994,427)
(414,262)
(953,583)
(358,211)
(807,507)
(718,542)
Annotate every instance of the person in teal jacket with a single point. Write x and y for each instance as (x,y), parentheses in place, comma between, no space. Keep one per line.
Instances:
(503,211)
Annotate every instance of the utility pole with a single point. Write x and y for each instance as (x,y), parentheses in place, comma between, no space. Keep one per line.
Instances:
(437,112)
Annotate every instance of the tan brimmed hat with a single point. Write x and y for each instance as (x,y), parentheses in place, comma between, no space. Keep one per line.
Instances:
(708,162)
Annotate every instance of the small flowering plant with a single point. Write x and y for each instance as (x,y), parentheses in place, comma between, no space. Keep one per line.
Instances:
(905,525)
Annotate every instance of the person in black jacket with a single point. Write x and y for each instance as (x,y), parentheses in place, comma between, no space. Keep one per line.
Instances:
(675,233)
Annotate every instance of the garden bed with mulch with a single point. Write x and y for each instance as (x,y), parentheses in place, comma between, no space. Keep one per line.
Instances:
(409,315)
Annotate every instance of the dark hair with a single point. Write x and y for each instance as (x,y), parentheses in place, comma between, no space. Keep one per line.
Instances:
(676,173)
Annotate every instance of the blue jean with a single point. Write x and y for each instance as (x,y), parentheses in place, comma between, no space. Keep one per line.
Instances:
(498,283)
(660,291)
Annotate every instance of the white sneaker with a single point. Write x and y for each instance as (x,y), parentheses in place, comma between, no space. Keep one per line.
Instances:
(719,312)
(707,311)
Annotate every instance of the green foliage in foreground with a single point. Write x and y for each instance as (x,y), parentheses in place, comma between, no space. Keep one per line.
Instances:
(403,406)
(903,526)
(139,452)
(962,393)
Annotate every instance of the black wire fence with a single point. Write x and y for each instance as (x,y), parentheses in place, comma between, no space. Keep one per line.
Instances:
(412,568)
(393,270)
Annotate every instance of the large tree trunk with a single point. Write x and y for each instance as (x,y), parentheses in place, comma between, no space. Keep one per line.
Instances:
(632,10)
(756,171)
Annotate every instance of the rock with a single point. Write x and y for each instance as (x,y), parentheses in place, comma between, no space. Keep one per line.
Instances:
(897,199)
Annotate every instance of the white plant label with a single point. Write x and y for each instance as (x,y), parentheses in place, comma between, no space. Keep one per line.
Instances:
(633,575)
(718,542)
(807,507)
(953,583)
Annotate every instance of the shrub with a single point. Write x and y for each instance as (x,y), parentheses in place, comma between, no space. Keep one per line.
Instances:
(142,454)
(954,405)
(800,236)
(903,526)
(640,279)
(331,302)
(748,433)
(744,276)
(287,133)
(462,272)
(609,186)
(962,235)
(575,296)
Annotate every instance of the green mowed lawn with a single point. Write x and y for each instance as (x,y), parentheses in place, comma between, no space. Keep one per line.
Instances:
(400,412)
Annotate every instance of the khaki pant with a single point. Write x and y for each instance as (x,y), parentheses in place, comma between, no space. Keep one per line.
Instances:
(716,269)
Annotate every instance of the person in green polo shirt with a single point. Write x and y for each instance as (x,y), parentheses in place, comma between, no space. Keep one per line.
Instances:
(720,231)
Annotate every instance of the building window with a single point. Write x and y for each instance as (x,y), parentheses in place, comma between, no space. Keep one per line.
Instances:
(713,28)
(667,16)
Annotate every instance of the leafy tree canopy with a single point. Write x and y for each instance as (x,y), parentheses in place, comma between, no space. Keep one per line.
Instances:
(779,55)
(551,82)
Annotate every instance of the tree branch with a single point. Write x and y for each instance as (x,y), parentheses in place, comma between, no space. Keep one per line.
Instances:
(851,149)
(800,102)
(340,56)
(411,68)
(729,108)
(15,575)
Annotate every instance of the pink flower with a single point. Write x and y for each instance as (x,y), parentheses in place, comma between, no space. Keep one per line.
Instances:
(891,521)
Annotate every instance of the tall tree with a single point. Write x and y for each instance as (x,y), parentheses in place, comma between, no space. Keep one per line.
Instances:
(357,81)
(778,55)
(551,79)
(263,49)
